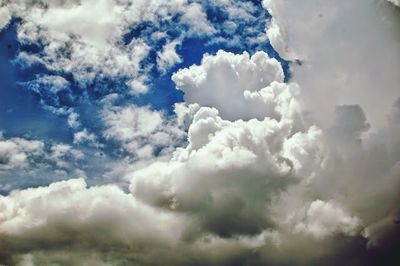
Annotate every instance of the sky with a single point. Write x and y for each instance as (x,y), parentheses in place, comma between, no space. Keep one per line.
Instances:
(199,132)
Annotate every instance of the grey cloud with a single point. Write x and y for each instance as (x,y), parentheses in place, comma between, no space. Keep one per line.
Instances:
(349,52)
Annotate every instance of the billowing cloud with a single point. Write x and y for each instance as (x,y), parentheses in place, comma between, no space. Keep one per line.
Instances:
(68,213)
(234,75)
(252,168)
(396,2)
(95,40)
(347,53)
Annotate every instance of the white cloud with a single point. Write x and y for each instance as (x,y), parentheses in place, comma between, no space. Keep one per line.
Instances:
(347,53)
(257,179)
(131,122)
(73,120)
(168,56)
(16,152)
(349,81)
(138,86)
(85,136)
(70,212)
(230,170)
(225,81)
(5,17)
(326,218)
(55,83)
(140,130)
(86,37)
(195,17)
(63,155)
(73,201)
(396,2)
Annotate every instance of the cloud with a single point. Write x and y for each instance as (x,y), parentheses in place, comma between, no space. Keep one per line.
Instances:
(230,170)
(5,17)
(17,152)
(324,218)
(73,120)
(22,157)
(69,213)
(86,38)
(250,170)
(227,173)
(196,18)
(241,190)
(168,56)
(346,52)
(396,2)
(140,130)
(84,136)
(228,74)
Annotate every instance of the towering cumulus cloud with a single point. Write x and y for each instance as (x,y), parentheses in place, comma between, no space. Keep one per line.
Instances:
(284,154)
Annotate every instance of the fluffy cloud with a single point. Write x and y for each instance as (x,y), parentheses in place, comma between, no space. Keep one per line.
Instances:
(230,170)
(5,17)
(86,38)
(269,168)
(168,56)
(235,75)
(20,157)
(342,74)
(224,182)
(69,213)
(306,180)
(241,184)
(324,218)
(347,53)
(140,130)
(17,152)
(241,187)
(85,137)
(396,2)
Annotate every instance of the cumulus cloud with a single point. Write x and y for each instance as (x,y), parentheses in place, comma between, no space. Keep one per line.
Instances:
(305,179)
(324,218)
(223,182)
(242,185)
(235,75)
(86,38)
(347,53)
(396,2)
(228,172)
(231,171)
(5,17)
(140,130)
(264,167)
(73,120)
(85,136)
(17,152)
(168,56)
(68,213)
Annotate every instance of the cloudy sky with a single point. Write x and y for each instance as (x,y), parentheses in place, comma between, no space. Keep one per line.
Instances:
(199,132)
